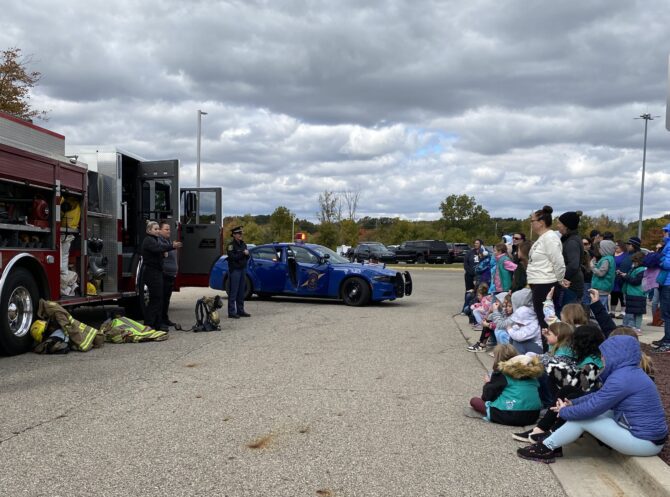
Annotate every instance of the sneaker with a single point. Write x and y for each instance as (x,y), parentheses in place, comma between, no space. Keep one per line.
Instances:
(619,316)
(539,452)
(657,343)
(477,347)
(662,349)
(522,436)
(611,314)
(477,327)
(491,354)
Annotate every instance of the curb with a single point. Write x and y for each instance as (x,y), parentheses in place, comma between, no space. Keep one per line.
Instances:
(650,473)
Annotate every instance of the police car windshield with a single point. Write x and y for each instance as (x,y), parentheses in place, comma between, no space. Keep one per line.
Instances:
(334,257)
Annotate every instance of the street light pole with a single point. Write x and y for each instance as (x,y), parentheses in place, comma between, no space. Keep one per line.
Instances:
(197,160)
(647,118)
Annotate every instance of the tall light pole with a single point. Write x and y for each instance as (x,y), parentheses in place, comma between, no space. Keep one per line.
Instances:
(197,157)
(647,118)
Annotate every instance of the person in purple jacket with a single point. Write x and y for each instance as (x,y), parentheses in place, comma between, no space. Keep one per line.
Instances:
(626,413)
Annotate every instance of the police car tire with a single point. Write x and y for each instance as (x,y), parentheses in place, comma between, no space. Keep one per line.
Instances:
(355,291)
(10,344)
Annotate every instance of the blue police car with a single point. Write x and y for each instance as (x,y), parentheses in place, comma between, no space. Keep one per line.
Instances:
(308,270)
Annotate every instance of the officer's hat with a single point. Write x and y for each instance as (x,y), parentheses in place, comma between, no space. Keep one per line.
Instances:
(236,230)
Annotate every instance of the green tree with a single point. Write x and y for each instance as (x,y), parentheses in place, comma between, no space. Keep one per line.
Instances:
(281,224)
(328,235)
(349,232)
(16,81)
(461,211)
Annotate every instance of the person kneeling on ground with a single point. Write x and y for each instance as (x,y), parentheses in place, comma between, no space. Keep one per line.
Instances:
(626,413)
(510,395)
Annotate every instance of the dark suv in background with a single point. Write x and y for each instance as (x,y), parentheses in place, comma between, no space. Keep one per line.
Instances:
(460,250)
(369,249)
(422,251)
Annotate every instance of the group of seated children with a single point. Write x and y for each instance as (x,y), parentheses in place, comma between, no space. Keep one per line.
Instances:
(590,383)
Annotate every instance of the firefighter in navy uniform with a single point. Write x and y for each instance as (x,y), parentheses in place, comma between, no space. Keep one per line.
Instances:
(238,255)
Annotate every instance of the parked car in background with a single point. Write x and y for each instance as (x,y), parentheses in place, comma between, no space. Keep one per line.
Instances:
(460,251)
(365,251)
(422,251)
(309,270)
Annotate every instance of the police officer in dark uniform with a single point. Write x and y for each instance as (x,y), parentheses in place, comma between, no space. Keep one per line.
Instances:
(238,255)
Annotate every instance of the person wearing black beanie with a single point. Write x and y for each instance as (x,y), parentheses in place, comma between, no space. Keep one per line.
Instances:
(573,282)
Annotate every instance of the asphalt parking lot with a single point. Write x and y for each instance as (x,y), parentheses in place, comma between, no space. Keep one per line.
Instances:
(302,399)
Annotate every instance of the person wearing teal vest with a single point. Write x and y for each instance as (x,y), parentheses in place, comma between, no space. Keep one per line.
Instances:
(604,271)
(503,270)
(510,396)
(636,298)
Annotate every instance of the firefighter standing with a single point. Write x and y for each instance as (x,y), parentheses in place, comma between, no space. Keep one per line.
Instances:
(153,253)
(237,270)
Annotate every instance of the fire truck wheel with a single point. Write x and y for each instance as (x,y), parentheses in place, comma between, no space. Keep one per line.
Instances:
(18,305)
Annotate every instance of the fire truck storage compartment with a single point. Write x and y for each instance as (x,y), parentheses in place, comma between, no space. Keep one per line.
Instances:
(26,219)
(133,232)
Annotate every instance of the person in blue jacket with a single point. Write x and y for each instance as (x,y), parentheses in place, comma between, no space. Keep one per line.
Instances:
(626,413)
(664,291)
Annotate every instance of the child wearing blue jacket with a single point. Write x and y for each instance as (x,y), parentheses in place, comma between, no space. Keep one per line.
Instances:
(626,413)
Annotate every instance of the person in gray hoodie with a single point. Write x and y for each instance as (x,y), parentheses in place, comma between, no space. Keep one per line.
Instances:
(604,270)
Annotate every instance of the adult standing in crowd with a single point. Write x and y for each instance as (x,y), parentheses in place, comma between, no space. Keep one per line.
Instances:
(470,265)
(170,268)
(546,267)
(664,292)
(517,239)
(153,254)
(238,255)
(573,250)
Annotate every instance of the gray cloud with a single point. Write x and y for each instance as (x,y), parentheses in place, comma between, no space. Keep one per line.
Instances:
(517,103)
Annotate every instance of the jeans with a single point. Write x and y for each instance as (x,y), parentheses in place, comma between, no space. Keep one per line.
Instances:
(502,337)
(665,311)
(656,295)
(586,298)
(605,301)
(608,431)
(478,316)
(632,320)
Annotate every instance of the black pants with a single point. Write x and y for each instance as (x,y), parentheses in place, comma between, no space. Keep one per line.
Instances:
(153,279)
(617,297)
(540,291)
(168,285)
(469,282)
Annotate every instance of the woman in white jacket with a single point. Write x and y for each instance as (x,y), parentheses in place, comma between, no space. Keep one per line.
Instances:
(546,267)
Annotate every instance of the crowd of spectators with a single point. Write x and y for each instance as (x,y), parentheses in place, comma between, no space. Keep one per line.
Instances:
(546,310)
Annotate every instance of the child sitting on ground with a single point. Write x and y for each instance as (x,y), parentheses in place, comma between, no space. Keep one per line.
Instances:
(481,307)
(489,324)
(525,331)
(510,395)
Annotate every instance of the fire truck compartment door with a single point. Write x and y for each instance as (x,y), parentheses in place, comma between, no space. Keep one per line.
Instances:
(159,193)
(201,219)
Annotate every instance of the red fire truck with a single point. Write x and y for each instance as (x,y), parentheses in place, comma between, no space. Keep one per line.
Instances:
(71,225)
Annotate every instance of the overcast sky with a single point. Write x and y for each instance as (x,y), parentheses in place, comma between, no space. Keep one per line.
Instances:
(516,102)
